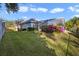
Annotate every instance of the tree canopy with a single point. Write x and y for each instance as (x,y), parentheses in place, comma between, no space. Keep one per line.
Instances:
(11,7)
(72,22)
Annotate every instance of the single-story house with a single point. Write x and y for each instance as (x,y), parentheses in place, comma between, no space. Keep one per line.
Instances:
(57,24)
(31,23)
(2,28)
(54,21)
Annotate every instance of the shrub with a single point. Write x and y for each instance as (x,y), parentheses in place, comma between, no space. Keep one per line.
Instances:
(48,29)
(51,28)
(30,29)
(23,29)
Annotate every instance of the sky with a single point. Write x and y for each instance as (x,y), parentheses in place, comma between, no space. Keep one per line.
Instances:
(42,11)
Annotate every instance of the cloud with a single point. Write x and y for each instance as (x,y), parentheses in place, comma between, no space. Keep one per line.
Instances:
(77,10)
(39,9)
(24,17)
(33,9)
(23,9)
(56,10)
(76,15)
(42,9)
(74,8)
(71,8)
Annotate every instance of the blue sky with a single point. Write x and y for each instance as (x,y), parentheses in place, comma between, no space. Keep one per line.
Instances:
(42,11)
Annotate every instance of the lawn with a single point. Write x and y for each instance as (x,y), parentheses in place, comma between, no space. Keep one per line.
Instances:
(30,43)
(23,44)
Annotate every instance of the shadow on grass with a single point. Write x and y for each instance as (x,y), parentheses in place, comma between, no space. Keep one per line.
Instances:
(75,42)
(49,35)
(74,34)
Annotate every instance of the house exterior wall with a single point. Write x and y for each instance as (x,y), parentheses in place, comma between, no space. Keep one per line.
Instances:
(25,26)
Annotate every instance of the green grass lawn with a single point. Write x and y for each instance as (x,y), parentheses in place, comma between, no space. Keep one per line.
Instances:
(29,43)
(23,43)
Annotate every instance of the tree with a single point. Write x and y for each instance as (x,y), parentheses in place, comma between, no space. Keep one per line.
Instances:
(11,7)
(72,22)
(69,24)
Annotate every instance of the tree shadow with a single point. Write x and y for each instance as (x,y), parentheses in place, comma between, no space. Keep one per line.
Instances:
(51,36)
(74,34)
(75,42)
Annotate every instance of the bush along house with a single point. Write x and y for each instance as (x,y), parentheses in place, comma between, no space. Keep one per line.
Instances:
(51,25)
(2,28)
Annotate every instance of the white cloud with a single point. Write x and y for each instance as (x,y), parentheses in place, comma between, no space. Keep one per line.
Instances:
(71,8)
(23,9)
(39,9)
(33,9)
(77,10)
(42,9)
(76,15)
(25,17)
(56,10)
(74,8)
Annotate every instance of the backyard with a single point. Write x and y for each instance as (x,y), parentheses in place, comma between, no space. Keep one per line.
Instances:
(31,43)
(23,43)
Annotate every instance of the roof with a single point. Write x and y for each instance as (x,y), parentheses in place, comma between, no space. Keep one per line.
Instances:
(48,20)
(30,21)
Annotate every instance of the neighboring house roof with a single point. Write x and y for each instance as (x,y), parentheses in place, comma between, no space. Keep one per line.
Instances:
(48,20)
(54,21)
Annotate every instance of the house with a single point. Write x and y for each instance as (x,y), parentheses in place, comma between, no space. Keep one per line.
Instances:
(54,21)
(2,28)
(54,24)
(31,23)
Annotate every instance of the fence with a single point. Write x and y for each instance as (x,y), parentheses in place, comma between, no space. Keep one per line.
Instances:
(2,28)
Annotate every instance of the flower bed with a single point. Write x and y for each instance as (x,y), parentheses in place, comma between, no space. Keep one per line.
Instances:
(52,28)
